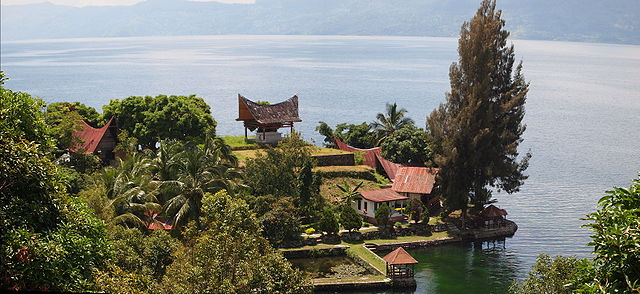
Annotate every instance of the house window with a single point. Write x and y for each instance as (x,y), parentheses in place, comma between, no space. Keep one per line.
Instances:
(365,205)
(359,204)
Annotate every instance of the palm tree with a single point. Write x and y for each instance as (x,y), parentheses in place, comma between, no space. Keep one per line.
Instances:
(349,194)
(132,191)
(393,120)
(200,170)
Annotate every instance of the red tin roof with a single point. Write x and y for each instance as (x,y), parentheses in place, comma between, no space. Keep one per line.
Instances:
(415,179)
(90,137)
(399,256)
(382,195)
(372,157)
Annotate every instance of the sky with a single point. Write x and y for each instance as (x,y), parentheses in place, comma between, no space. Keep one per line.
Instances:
(81,3)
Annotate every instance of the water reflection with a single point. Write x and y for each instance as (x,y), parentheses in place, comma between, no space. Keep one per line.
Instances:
(474,267)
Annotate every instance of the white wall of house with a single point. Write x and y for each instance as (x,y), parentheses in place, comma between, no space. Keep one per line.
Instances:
(361,204)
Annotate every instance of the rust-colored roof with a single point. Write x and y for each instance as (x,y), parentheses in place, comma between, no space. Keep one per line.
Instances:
(382,195)
(286,111)
(390,168)
(399,256)
(90,137)
(372,157)
(492,211)
(410,179)
(369,154)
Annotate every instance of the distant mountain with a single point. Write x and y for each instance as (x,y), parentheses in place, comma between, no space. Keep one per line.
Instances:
(572,20)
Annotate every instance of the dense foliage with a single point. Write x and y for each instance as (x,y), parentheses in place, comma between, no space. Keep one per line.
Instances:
(550,276)
(407,145)
(230,255)
(476,133)
(150,119)
(49,240)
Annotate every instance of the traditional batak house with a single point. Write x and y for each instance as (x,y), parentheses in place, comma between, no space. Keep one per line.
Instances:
(267,119)
(99,141)
(369,201)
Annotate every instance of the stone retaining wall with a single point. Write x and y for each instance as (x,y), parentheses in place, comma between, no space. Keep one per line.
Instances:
(338,287)
(337,159)
(338,250)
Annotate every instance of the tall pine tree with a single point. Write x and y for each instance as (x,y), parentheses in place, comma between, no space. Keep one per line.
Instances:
(478,130)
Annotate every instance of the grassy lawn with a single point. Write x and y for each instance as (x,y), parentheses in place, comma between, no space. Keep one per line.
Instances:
(308,247)
(239,142)
(332,193)
(368,256)
(319,151)
(435,236)
(343,168)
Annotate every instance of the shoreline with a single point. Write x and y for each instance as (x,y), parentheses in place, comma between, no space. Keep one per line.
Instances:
(382,281)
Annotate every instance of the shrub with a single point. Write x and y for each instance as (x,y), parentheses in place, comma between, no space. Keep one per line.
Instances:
(310,231)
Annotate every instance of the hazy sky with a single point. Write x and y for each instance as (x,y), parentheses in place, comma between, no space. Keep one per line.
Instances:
(102,2)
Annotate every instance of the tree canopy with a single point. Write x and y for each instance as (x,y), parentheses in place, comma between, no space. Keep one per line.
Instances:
(477,131)
(407,145)
(150,119)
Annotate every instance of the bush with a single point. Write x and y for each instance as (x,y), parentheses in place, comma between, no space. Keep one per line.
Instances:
(350,219)
(398,225)
(328,223)
(310,231)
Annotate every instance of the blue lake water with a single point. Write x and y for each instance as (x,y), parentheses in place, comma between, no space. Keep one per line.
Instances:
(583,114)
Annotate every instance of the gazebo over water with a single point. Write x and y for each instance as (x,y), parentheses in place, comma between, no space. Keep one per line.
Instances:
(266,119)
(400,264)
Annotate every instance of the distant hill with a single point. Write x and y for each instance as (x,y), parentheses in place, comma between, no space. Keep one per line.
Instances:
(571,20)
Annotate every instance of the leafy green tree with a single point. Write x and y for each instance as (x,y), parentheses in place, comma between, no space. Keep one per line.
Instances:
(21,116)
(328,222)
(549,275)
(407,145)
(388,123)
(476,133)
(146,255)
(350,219)
(48,240)
(417,210)
(230,255)
(57,113)
(359,136)
(616,241)
(382,215)
(280,223)
(286,171)
(150,119)
(210,168)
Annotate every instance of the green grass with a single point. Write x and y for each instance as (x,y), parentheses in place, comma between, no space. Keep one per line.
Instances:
(308,247)
(319,151)
(330,191)
(368,256)
(239,142)
(435,236)
(343,168)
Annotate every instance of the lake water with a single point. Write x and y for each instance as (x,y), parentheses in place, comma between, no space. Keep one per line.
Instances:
(583,114)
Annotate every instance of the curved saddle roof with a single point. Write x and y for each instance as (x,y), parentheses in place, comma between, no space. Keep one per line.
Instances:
(285,111)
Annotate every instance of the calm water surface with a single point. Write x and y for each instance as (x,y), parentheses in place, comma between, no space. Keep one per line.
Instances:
(582,114)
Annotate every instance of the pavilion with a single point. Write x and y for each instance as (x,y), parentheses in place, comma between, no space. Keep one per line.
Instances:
(492,217)
(400,264)
(267,119)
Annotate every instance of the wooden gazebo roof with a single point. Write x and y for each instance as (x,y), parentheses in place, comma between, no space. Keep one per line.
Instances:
(493,211)
(285,112)
(399,256)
